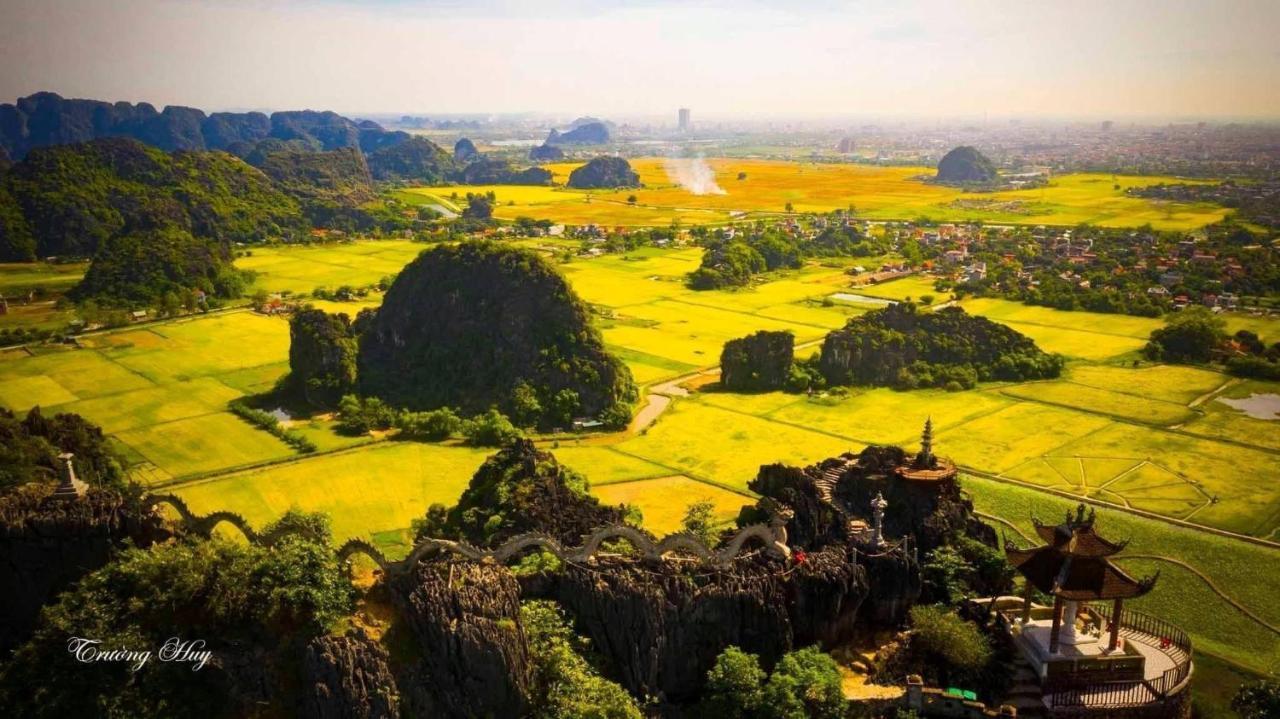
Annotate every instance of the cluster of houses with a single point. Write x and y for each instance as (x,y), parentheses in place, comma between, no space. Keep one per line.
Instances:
(954,244)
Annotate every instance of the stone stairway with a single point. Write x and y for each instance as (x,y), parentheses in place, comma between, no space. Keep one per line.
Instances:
(826,485)
(1024,695)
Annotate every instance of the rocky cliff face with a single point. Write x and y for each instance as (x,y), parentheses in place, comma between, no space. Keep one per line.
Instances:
(472,660)
(47,544)
(660,626)
(932,512)
(46,119)
(349,678)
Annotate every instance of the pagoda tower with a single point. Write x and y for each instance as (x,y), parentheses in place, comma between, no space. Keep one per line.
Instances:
(926,466)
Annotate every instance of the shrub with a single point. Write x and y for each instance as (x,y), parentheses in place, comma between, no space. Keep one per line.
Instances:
(565,685)
(1258,700)
(491,429)
(733,689)
(806,683)
(432,426)
(267,421)
(941,634)
(359,415)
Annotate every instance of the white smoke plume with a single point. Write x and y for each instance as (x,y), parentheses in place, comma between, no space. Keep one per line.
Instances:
(693,174)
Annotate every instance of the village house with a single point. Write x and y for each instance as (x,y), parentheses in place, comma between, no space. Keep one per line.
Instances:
(974,273)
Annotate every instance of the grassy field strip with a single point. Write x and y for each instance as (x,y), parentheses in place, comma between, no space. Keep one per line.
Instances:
(697,478)
(1111,505)
(1216,590)
(686,301)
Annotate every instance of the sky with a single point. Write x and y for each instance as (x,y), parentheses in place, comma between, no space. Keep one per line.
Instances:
(816,58)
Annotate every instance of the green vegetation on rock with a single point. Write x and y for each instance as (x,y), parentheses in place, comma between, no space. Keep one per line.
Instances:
(606,172)
(471,326)
(899,346)
(965,165)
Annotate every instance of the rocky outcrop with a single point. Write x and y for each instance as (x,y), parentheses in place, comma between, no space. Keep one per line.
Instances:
(522,489)
(604,172)
(499,172)
(47,119)
(660,627)
(965,165)
(47,544)
(546,153)
(464,150)
(930,511)
(587,133)
(757,363)
(482,324)
(415,159)
(348,678)
(471,657)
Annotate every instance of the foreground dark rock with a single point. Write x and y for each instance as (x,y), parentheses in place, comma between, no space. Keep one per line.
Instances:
(46,544)
(463,620)
(349,678)
(660,626)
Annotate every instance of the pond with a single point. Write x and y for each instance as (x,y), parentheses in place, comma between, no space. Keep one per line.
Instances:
(1258,406)
(862,299)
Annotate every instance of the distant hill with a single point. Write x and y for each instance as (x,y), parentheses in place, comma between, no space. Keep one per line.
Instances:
(500,172)
(414,160)
(69,199)
(482,324)
(546,153)
(340,176)
(965,165)
(606,171)
(591,133)
(464,150)
(46,119)
(142,266)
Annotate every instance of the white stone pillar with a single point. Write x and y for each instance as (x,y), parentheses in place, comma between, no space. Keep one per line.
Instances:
(1069,633)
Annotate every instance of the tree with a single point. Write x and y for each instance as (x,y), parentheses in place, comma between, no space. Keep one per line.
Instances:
(1190,336)
(237,597)
(700,521)
(805,685)
(491,429)
(479,207)
(734,686)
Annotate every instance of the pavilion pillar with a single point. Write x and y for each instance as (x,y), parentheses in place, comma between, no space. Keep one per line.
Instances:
(1026,602)
(1056,629)
(1115,625)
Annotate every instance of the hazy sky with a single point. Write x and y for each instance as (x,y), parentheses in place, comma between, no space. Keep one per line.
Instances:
(1115,58)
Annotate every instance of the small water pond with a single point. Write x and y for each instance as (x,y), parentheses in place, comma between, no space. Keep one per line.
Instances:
(1258,406)
(862,299)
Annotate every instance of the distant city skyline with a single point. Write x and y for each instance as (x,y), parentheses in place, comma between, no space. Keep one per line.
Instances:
(1116,60)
